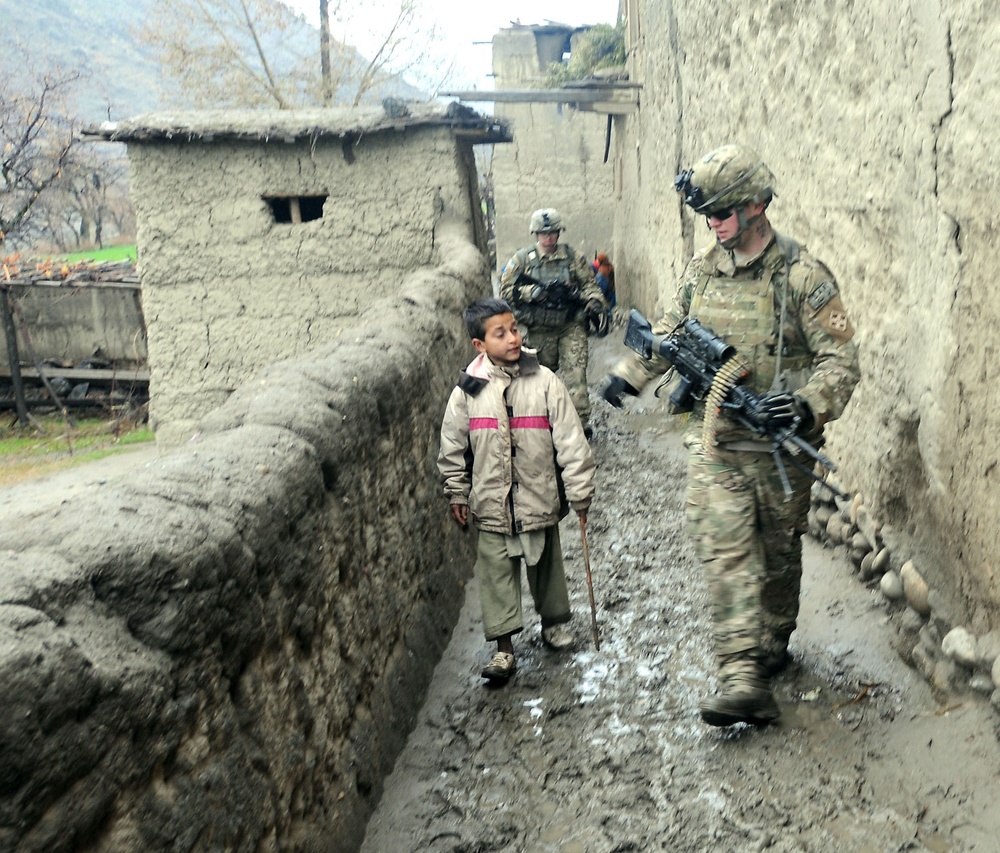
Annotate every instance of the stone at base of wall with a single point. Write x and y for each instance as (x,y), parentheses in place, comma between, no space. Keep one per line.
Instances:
(948,655)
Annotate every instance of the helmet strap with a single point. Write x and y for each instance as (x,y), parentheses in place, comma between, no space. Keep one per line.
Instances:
(743,225)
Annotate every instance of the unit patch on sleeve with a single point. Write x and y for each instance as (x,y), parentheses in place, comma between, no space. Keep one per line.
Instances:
(837,321)
(822,293)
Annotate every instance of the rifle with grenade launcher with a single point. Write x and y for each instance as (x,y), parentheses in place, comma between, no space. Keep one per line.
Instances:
(707,371)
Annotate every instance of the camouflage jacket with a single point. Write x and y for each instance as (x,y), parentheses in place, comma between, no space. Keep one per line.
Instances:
(817,337)
(562,265)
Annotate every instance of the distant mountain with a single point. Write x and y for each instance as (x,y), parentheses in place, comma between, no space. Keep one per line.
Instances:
(98,38)
(93,37)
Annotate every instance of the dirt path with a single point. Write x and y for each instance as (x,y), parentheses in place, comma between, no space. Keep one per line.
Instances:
(41,495)
(604,751)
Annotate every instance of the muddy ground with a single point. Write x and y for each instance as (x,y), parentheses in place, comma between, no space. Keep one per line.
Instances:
(604,751)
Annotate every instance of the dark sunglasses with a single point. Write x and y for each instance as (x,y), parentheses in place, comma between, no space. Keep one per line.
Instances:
(725,213)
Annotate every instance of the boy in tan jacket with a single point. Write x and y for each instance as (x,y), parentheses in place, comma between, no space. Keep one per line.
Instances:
(513,453)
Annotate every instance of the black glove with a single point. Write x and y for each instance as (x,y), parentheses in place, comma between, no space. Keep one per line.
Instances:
(613,389)
(782,411)
(597,317)
(558,295)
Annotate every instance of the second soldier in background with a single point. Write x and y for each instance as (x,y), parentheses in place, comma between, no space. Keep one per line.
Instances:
(556,301)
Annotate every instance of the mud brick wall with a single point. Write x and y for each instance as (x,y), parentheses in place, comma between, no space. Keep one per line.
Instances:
(227,651)
(228,290)
(74,322)
(877,120)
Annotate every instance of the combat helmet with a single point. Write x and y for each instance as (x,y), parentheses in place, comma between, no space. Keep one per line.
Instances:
(730,176)
(545,219)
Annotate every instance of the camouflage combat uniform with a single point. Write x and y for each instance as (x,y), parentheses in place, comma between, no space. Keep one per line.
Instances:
(745,531)
(558,335)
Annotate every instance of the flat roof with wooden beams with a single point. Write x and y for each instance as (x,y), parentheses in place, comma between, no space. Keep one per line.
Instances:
(606,98)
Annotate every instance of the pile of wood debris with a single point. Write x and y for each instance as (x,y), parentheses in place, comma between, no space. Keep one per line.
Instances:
(76,274)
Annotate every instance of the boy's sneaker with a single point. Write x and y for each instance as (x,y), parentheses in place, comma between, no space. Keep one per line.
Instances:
(557,637)
(500,668)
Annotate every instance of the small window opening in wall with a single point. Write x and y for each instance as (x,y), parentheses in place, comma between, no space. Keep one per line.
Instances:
(296,208)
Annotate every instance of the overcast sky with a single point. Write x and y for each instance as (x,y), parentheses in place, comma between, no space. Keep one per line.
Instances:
(464,23)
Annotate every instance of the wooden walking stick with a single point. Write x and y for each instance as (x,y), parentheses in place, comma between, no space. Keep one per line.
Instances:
(590,583)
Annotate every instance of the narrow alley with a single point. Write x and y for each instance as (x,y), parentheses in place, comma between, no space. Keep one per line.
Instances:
(604,752)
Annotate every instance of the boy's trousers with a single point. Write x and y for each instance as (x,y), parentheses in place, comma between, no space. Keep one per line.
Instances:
(499,577)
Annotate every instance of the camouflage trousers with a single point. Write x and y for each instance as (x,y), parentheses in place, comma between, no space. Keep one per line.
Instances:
(748,537)
(563,348)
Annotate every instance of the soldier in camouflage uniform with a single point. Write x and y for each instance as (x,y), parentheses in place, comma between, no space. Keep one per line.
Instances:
(781,308)
(556,300)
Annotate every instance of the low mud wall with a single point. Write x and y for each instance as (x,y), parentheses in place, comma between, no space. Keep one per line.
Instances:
(227,652)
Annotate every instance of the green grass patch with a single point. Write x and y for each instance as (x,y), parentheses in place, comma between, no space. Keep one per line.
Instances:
(54,445)
(108,253)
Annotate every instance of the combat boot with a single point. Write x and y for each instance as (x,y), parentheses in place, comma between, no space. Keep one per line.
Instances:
(745,695)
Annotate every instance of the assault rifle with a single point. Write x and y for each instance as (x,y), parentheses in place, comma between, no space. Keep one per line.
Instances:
(697,355)
(554,294)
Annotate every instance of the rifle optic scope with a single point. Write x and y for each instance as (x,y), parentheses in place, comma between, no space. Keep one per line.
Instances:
(714,348)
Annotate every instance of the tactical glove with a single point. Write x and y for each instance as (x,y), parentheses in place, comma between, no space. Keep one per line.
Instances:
(597,317)
(613,389)
(530,293)
(782,411)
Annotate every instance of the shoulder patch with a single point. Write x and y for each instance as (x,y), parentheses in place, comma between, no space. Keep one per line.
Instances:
(821,294)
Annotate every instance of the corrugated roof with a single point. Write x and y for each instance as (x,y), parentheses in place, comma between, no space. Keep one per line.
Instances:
(293,125)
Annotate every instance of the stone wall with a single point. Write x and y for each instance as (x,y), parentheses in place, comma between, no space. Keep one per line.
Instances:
(877,120)
(227,651)
(228,290)
(556,158)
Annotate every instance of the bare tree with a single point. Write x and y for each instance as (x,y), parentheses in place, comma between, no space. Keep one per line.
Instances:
(230,52)
(90,204)
(259,53)
(37,141)
(402,41)
(326,69)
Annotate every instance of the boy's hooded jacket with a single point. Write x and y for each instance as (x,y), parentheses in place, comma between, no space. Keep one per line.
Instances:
(507,442)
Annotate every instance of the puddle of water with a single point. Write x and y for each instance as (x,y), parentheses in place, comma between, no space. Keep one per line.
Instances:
(813,704)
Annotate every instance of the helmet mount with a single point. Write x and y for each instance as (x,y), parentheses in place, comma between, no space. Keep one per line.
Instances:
(730,176)
(727,179)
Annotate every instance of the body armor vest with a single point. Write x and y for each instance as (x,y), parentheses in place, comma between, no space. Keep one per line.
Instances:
(746,313)
(548,268)
(545,270)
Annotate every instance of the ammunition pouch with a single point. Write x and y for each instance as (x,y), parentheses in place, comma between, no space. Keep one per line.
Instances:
(536,315)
